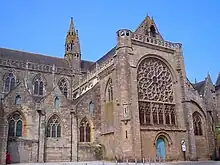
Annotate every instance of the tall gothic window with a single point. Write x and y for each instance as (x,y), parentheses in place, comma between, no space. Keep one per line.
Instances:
(85,131)
(155,93)
(63,86)
(9,82)
(15,125)
(109,91)
(38,85)
(108,109)
(54,127)
(197,124)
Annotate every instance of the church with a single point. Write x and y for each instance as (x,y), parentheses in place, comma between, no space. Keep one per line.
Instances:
(134,103)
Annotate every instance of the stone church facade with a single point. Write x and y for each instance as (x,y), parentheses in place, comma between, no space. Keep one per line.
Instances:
(135,102)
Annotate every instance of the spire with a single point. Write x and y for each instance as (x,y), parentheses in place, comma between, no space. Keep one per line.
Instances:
(71,29)
(72,46)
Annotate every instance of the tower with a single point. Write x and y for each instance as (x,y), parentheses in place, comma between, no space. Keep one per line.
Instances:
(72,47)
(124,133)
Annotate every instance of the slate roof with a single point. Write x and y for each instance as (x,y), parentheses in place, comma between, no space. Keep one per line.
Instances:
(103,58)
(32,57)
(199,87)
(39,58)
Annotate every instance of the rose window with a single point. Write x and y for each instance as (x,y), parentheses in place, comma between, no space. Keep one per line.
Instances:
(155,89)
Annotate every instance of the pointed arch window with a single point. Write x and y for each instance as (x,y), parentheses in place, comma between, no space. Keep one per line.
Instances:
(15,125)
(18,100)
(63,86)
(38,85)
(9,82)
(91,108)
(57,103)
(54,127)
(109,91)
(85,131)
(197,124)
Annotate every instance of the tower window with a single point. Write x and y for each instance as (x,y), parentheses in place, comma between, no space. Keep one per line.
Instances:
(152,31)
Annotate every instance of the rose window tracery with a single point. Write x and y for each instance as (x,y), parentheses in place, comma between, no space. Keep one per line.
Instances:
(155,89)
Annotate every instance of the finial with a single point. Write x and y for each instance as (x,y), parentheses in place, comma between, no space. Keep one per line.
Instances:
(71,29)
(152,18)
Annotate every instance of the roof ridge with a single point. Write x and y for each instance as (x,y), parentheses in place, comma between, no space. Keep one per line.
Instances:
(22,51)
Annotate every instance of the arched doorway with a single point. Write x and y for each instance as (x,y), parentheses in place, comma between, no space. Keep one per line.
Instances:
(160,149)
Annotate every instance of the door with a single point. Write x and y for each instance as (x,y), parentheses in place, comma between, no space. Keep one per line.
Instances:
(161,149)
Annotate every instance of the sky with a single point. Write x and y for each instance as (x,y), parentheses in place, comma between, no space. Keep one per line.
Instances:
(40,26)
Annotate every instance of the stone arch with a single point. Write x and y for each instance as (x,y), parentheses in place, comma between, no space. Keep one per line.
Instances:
(63,85)
(173,73)
(9,80)
(54,120)
(200,108)
(23,118)
(41,76)
(109,90)
(39,82)
(165,136)
(85,130)
(156,91)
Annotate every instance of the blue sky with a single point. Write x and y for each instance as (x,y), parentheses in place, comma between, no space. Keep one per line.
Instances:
(40,26)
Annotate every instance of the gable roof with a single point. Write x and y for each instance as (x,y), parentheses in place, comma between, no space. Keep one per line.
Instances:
(108,55)
(200,86)
(32,57)
(39,58)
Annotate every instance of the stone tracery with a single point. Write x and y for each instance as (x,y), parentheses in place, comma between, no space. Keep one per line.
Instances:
(155,93)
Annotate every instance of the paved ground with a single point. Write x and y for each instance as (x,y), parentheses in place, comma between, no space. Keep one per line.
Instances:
(108,163)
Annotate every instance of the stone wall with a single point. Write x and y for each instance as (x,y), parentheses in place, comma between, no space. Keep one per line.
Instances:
(172,141)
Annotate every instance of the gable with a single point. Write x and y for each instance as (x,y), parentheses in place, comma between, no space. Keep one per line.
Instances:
(148,27)
(20,89)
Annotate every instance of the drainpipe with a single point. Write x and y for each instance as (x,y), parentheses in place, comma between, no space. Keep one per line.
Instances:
(38,145)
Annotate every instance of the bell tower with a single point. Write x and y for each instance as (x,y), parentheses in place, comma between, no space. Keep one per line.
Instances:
(72,47)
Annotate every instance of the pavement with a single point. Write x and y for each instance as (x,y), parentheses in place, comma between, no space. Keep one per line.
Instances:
(112,163)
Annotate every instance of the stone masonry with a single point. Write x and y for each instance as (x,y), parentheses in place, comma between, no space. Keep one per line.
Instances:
(133,103)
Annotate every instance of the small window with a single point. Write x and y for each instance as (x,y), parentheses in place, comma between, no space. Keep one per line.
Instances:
(18,100)
(91,108)
(56,103)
